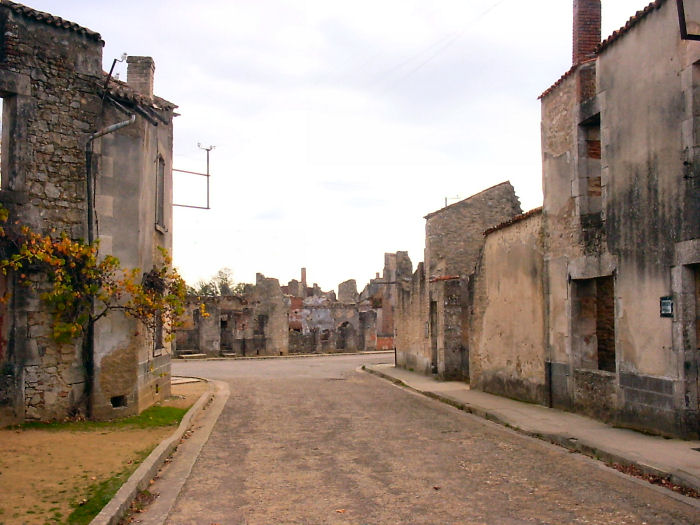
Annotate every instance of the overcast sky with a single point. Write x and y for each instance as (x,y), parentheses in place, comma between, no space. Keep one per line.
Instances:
(339,124)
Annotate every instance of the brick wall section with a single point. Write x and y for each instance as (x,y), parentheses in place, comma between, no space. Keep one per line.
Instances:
(586,33)
(140,74)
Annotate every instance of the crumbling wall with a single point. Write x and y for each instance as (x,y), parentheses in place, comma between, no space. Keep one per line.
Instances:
(412,344)
(347,291)
(270,317)
(454,237)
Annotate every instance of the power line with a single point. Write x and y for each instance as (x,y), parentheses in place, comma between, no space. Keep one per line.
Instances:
(450,40)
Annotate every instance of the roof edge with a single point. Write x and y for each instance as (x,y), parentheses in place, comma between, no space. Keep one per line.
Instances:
(463,201)
(514,220)
(633,21)
(52,20)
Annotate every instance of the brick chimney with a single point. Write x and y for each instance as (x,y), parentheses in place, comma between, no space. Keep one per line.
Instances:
(586,29)
(139,74)
(303,281)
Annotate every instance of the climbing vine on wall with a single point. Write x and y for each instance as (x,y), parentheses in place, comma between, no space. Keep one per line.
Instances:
(83,287)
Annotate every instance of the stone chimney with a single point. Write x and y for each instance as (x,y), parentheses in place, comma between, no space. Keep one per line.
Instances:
(139,74)
(586,29)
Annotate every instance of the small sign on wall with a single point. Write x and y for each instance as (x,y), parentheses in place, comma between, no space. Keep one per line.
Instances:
(666,306)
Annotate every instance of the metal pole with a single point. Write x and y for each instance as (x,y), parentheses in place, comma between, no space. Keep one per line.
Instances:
(207,149)
(208,177)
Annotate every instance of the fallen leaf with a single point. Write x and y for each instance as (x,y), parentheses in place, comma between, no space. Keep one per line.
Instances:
(436,487)
(340,511)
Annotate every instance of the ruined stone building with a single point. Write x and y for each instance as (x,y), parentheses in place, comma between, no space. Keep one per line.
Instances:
(591,303)
(254,323)
(432,306)
(269,319)
(56,99)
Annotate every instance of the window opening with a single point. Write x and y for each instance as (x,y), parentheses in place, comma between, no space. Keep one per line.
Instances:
(118,401)
(696,271)
(158,336)
(3,143)
(590,190)
(594,323)
(260,325)
(160,193)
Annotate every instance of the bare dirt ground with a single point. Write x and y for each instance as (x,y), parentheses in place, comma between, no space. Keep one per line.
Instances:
(43,471)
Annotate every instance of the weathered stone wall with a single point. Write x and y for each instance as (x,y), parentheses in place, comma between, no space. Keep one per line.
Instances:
(126,165)
(454,237)
(622,203)
(51,81)
(412,343)
(507,323)
(47,77)
(347,291)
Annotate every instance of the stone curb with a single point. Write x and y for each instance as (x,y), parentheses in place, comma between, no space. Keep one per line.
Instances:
(290,356)
(147,470)
(683,479)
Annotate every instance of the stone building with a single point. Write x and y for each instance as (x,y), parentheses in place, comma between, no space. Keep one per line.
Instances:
(253,324)
(269,319)
(432,305)
(610,268)
(58,151)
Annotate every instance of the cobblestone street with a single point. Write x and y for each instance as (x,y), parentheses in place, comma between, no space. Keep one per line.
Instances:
(315,441)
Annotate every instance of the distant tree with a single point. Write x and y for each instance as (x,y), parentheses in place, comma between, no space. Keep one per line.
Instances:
(222,284)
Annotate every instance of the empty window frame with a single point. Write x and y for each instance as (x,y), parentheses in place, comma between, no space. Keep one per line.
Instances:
(594,323)
(158,336)
(160,194)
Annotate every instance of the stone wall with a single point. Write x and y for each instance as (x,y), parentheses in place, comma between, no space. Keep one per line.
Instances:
(412,343)
(51,82)
(621,210)
(454,237)
(507,320)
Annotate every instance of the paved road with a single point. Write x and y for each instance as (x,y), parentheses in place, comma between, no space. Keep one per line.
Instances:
(312,441)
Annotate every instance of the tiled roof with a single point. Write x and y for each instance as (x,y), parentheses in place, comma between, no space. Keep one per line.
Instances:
(558,82)
(122,91)
(633,21)
(564,77)
(515,219)
(49,19)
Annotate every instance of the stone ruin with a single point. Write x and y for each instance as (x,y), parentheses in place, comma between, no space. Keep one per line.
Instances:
(272,320)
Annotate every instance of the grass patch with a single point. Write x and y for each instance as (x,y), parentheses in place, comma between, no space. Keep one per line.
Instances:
(100,493)
(155,416)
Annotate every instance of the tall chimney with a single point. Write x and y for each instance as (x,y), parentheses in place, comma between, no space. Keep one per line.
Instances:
(586,29)
(303,281)
(139,74)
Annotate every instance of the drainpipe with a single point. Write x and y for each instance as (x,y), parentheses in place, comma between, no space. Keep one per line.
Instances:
(89,339)
(90,178)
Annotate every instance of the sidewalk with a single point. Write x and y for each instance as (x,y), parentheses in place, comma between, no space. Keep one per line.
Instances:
(675,459)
